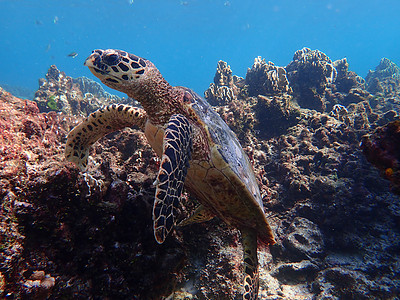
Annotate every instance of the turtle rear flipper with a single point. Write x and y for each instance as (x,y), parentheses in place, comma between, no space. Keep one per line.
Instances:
(98,124)
(251,283)
(177,147)
(201,214)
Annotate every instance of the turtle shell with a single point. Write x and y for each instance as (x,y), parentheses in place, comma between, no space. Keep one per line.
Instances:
(228,145)
(238,203)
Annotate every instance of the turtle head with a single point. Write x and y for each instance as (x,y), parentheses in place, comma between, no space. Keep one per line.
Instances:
(125,72)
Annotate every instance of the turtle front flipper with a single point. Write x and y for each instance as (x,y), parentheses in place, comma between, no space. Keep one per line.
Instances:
(177,147)
(249,240)
(98,124)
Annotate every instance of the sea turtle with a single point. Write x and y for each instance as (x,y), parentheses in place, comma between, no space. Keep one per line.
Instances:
(198,151)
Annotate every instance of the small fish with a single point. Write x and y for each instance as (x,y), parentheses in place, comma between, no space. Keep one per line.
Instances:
(227,3)
(73,54)
(55,20)
(48,47)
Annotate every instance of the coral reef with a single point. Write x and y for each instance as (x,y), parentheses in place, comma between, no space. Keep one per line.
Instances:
(266,79)
(345,79)
(94,88)
(80,96)
(66,234)
(223,90)
(382,149)
(385,81)
(91,233)
(18,91)
(385,69)
(275,115)
(31,148)
(310,74)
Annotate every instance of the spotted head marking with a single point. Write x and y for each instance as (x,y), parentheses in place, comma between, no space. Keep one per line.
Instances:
(138,78)
(118,69)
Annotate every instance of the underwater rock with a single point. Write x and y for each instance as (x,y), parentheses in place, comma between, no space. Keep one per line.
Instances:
(382,149)
(31,147)
(385,69)
(335,219)
(384,82)
(356,95)
(361,116)
(295,272)
(266,79)
(38,286)
(338,283)
(60,93)
(57,92)
(88,85)
(309,74)
(223,90)
(303,241)
(346,80)
(275,115)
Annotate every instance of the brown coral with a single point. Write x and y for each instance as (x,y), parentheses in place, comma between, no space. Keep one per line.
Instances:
(275,115)
(59,92)
(266,79)
(223,90)
(39,285)
(329,208)
(382,149)
(346,79)
(309,74)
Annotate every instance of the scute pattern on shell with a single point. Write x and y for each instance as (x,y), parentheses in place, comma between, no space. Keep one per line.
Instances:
(229,146)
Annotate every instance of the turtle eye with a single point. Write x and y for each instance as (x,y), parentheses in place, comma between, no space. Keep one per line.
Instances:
(111,59)
(187,97)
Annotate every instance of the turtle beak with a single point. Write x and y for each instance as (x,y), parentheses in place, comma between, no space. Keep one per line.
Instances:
(86,62)
(95,64)
(94,58)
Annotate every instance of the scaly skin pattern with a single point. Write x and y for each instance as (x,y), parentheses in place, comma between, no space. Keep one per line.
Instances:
(197,150)
(177,149)
(98,124)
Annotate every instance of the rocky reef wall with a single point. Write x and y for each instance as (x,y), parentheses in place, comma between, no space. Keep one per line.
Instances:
(336,217)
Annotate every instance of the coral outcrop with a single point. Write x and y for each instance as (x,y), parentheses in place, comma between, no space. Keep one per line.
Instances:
(385,80)
(31,153)
(382,148)
(317,185)
(385,69)
(345,79)
(266,79)
(310,74)
(61,93)
(223,90)
(66,234)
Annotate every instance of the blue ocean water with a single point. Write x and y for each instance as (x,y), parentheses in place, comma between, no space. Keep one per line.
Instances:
(185,39)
